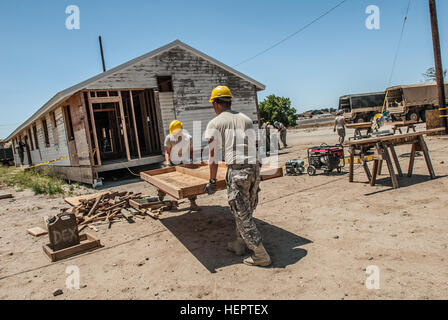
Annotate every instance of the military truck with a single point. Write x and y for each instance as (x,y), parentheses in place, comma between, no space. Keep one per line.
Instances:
(410,102)
(361,107)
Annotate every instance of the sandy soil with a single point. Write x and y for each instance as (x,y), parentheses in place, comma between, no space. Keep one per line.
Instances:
(322,233)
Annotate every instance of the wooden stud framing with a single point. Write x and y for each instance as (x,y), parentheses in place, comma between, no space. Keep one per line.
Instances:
(123,123)
(86,125)
(92,120)
(135,124)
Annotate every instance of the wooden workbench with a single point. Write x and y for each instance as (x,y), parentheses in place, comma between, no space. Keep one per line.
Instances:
(382,145)
(410,124)
(367,126)
(189,180)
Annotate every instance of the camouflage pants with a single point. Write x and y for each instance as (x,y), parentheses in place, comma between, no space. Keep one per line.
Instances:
(242,191)
(341,133)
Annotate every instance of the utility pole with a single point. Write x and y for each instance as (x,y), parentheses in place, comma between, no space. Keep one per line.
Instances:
(438,64)
(102,53)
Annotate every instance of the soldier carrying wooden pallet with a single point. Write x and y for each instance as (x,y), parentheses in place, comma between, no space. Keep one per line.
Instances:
(178,150)
(227,133)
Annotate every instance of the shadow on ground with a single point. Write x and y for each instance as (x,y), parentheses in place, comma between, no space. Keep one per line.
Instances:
(403,182)
(206,234)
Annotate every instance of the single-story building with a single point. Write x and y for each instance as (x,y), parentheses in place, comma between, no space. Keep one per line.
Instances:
(120,117)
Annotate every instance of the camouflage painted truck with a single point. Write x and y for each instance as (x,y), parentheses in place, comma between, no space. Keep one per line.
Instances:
(361,107)
(410,102)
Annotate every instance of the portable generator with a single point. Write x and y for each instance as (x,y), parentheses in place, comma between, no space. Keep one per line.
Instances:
(295,167)
(325,157)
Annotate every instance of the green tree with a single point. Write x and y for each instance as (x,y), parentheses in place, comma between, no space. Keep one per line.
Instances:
(430,74)
(275,108)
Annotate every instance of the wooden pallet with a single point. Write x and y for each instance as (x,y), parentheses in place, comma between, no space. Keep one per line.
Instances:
(87,243)
(186,181)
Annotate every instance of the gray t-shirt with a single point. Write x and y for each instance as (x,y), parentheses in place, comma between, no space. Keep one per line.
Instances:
(171,140)
(237,135)
(340,120)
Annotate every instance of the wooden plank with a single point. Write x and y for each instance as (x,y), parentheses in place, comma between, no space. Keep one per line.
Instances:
(366,167)
(95,205)
(87,128)
(396,161)
(186,181)
(427,157)
(390,166)
(37,231)
(135,124)
(352,164)
(362,125)
(125,131)
(374,172)
(95,137)
(75,201)
(391,139)
(6,196)
(144,118)
(87,242)
(104,99)
(412,160)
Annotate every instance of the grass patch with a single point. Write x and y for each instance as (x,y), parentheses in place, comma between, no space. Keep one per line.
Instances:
(41,182)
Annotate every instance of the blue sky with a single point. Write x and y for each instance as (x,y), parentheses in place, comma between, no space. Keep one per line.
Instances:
(336,56)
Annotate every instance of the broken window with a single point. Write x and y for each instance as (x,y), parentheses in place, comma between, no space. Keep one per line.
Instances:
(55,127)
(69,124)
(31,139)
(165,84)
(36,141)
(45,129)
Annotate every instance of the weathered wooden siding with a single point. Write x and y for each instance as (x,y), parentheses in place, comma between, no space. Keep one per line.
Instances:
(55,150)
(78,115)
(193,80)
(166,110)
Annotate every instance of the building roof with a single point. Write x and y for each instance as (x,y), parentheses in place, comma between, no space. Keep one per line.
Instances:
(64,94)
(417,85)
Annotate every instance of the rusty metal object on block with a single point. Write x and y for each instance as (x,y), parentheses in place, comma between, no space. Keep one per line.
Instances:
(63,231)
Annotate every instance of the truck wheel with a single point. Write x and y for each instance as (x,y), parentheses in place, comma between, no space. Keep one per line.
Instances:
(413,115)
(311,170)
(360,119)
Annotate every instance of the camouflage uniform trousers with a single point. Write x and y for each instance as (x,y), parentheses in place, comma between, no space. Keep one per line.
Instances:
(242,190)
(341,133)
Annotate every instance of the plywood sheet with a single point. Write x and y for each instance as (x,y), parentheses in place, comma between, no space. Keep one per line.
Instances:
(189,180)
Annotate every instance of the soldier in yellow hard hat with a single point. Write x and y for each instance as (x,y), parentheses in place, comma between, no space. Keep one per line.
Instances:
(178,150)
(243,173)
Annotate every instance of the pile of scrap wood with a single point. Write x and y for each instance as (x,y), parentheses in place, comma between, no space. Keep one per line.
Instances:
(111,206)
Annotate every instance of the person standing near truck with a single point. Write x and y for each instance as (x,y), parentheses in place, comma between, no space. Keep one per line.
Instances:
(339,125)
(243,173)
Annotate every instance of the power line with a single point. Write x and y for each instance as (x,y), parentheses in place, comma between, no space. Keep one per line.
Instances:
(399,43)
(293,34)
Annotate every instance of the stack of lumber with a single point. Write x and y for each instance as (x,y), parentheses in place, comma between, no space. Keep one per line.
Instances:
(108,207)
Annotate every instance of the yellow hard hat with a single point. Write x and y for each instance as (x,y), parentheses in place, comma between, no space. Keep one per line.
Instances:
(220,92)
(268,123)
(175,126)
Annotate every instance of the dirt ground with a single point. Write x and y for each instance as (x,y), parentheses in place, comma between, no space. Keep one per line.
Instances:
(322,233)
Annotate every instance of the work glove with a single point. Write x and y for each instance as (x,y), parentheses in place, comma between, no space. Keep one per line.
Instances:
(168,165)
(210,188)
